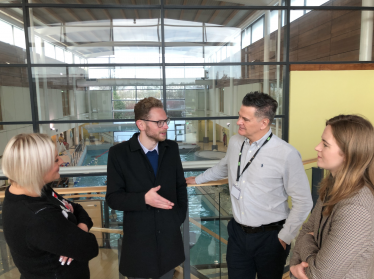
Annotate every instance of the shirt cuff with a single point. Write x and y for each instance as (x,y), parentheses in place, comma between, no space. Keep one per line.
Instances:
(285,236)
(199,179)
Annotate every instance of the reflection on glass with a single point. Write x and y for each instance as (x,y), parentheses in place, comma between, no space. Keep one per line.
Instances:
(95,36)
(88,144)
(94,92)
(327,35)
(221,36)
(218,90)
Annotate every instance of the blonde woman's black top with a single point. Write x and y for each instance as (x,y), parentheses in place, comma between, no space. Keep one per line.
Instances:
(40,230)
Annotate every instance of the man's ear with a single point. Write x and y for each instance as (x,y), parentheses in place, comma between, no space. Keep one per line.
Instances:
(140,125)
(264,123)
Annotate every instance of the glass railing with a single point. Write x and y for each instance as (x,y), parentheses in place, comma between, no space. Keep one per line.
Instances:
(204,230)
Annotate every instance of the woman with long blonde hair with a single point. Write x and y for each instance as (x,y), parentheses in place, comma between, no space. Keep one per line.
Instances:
(338,239)
(47,235)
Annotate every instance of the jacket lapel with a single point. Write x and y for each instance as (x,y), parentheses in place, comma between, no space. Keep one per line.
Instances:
(162,146)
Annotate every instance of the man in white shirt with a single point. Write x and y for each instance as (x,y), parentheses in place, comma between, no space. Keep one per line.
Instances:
(263,171)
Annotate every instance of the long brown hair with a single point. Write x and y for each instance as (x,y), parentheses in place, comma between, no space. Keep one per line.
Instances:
(355,138)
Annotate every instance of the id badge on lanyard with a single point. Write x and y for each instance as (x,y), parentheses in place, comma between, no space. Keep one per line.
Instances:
(235,190)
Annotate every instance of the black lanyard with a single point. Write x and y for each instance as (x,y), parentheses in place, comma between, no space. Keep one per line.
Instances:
(238,175)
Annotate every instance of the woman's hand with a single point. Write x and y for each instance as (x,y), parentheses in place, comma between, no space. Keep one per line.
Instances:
(299,270)
(63,259)
(83,227)
(68,206)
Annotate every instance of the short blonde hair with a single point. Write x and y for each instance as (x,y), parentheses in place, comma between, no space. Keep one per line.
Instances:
(26,160)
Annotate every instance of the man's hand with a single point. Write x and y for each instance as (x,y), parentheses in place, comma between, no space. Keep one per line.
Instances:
(299,270)
(191,180)
(311,233)
(283,243)
(155,200)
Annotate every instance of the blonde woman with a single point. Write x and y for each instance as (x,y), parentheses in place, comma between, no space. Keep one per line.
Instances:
(338,240)
(47,235)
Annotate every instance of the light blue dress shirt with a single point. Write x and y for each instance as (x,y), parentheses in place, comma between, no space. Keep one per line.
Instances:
(276,173)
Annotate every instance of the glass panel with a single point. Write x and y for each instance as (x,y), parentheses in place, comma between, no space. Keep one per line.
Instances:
(60,54)
(274,18)
(97,35)
(19,38)
(91,92)
(49,50)
(12,39)
(106,2)
(213,36)
(88,144)
(220,3)
(9,131)
(218,90)
(257,30)
(15,102)
(330,36)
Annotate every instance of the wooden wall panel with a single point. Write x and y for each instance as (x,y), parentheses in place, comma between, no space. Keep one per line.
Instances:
(352,3)
(347,23)
(346,42)
(346,56)
(315,51)
(315,35)
(313,19)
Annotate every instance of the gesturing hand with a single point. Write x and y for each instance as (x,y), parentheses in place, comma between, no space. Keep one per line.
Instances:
(191,180)
(155,200)
(299,270)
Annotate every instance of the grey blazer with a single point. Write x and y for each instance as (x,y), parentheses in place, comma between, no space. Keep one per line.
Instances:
(343,243)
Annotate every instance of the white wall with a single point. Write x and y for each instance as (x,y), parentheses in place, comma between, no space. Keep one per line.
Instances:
(101,100)
(15,103)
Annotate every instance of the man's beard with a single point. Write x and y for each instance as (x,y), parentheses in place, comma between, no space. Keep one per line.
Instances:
(155,136)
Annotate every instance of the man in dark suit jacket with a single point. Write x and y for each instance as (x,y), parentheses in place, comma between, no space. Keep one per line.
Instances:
(146,182)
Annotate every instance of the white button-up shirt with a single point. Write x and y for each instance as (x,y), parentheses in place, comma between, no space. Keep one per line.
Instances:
(145,148)
(276,173)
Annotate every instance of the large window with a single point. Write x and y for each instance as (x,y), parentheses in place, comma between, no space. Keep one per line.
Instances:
(90,65)
(78,68)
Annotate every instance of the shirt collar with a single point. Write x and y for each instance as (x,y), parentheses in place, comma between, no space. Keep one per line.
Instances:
(261,140)
(145,149)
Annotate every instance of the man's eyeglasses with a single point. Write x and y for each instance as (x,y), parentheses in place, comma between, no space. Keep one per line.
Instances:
(160,123)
